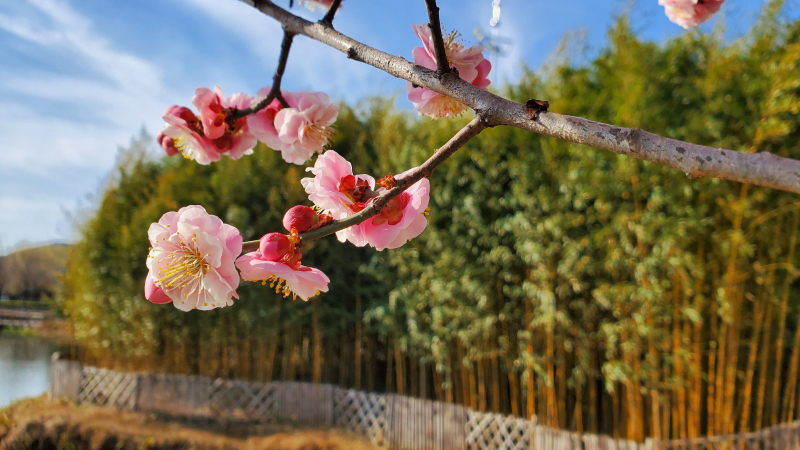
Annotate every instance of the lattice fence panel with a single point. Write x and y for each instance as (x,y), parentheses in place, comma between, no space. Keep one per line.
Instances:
(242,400)
(361,413)
(779,437)
(104,387)
(488,431)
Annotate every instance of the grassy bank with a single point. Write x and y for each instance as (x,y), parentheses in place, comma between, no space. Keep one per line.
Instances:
(39,423)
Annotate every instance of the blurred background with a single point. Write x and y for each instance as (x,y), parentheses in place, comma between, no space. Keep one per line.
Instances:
(600,293)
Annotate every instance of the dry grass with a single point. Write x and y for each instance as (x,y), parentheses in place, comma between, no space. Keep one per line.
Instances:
(37,423)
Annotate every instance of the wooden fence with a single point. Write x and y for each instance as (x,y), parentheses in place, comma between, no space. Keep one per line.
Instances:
(388,420)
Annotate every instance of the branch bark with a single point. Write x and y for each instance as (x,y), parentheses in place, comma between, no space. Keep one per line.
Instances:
(328,19)
(442,65)
(472,129)
(275,90)
(762,169)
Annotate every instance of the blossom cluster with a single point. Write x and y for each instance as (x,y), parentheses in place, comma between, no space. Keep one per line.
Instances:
(193,254)
(297,131)
(690,13)
(194,257)
(468,62)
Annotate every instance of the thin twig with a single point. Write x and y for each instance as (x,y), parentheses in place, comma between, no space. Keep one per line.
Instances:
(762,169)
(328,19)
(442,65)
(275,90)
(424,170)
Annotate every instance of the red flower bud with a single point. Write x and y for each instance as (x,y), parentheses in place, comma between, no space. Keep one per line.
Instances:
(301,218)
(167,143)
(275,246)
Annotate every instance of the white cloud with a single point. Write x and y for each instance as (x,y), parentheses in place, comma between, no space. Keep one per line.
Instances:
(54,125)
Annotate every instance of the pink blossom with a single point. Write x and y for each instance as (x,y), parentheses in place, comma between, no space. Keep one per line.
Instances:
(238,140)
(305,128)
(402,219)
(469,62)
(690,13)
(185,130)
(232,137)
(209,103)
(262,123)
(336,190)
(192,259)
(305,282)
(313,4)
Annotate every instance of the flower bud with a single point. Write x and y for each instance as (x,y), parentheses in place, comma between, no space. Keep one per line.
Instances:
(154,293)
(275,246)
(167,143)
(301,218)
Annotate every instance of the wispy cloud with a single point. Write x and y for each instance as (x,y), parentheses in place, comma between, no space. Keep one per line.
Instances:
(60,121)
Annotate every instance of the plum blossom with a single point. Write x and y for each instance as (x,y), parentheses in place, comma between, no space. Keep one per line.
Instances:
(262,123)
(314,4)
(232,137)
(183,132)
(690,13)
(306,127)
(470,63)
(277,262)
(334,189)
(191,260)
(401,220)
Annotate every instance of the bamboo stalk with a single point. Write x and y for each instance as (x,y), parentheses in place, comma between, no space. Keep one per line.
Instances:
(782,326)
(359,319)
(789,398)
(751,363)
(593,397)
(680,418)
(495,377)
(399,367)
(412,374)
(513,386)
(697,365)
(765,347)
(389,364)
(531,391)
(712,356)
(317,364)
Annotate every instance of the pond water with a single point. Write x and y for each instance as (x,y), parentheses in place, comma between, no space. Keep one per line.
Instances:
(24,367)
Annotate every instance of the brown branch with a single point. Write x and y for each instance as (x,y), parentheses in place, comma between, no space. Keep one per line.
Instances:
(424,170)
(442,65)
(328,19)
(275,90)
(763,169)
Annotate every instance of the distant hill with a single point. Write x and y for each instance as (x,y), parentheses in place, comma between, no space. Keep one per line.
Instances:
(33,272)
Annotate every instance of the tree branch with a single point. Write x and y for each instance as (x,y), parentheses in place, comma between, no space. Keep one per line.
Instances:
(328,19)
(762,169)
(472,129)
(275,90)
(442,65)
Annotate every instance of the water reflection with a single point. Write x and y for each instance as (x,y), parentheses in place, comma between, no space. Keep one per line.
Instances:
(24,367)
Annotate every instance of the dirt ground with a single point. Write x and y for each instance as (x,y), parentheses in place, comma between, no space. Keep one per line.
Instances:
(41,424)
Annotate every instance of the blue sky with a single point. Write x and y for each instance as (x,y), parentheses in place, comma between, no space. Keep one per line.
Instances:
(79,78)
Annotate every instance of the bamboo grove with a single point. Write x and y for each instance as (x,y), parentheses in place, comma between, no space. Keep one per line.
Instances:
(597,292)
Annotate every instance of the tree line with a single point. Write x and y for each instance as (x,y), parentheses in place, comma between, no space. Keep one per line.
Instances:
(598,292)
